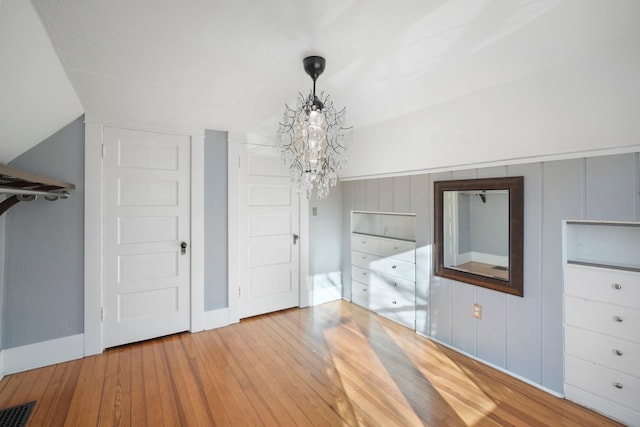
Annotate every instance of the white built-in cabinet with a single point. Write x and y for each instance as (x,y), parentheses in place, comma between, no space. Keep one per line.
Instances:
(602,317)
(383,264)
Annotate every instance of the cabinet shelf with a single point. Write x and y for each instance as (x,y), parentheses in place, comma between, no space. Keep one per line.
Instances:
(401,226)
(603,265)
(355,233)
(605,244)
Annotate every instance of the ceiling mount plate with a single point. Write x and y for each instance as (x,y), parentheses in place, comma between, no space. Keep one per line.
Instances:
(314,66)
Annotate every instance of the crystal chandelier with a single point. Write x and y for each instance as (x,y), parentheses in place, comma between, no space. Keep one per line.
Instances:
(313,139)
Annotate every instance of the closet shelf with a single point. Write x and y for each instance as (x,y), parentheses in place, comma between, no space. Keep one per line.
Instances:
(26,186)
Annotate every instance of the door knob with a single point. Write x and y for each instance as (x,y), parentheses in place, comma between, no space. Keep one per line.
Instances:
(183,248)
(295,238)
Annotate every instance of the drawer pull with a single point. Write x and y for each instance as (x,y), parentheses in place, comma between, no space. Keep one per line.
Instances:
(616,286)
(393,266)
(395,248)
(364,273)
(364,290)
(617,352)
(617,385)
(364,257)
(364,242)
(617,319)
(395,285)
(394,302)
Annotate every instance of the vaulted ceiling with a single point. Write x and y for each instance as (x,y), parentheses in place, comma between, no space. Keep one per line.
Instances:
(231,65)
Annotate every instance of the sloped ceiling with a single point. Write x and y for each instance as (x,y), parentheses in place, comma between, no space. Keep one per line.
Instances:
(36,97)
(231,65)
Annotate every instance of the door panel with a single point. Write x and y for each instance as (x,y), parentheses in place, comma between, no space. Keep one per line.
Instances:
(269,271)
(146,218)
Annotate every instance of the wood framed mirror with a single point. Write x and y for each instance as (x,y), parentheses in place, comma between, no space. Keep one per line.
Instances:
(479,225)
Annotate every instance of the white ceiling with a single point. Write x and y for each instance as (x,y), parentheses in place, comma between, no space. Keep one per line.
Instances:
(231,65)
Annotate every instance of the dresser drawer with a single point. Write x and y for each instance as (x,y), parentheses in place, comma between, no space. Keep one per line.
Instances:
(398,306)
(363,275)
(406,318)
(364,243)
(395,267)
(394,284)
(399,300)
(360,294)
(611,385)
(614,353)
(606,285)
(363,260)
(405,251)
(615,320)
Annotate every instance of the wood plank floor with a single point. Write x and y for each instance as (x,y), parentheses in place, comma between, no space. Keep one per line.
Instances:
(331,365)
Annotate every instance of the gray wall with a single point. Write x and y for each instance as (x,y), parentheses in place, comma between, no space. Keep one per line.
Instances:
(490,224)
(325,231)
(215,220)
(44,249)
(522,335)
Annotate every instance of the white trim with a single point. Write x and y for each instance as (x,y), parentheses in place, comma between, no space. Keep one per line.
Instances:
(237,142)
(305,280)
(143,126)
(216,318)
(499,368)
(197,233)
(1,364)
(491,259)
(93,238)
(93,241)
(325,287)
(45,353)
(233,230)
(503,162)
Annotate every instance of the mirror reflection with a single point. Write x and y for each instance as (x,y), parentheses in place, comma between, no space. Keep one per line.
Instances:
(476,232)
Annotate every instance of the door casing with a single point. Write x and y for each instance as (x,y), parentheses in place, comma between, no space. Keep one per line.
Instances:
(93,240)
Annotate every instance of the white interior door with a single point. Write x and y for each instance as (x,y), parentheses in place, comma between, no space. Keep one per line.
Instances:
(269,252)
(146,287)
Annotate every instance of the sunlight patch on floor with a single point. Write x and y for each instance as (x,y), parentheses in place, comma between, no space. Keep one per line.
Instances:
(473,406)
(381,401)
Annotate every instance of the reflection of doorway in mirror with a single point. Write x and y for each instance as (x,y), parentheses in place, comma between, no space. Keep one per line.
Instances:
(476,228)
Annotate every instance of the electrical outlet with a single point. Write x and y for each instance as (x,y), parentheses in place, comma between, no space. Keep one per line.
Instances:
(477,311)
(314,211)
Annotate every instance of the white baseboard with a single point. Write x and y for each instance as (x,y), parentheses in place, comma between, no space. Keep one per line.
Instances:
(499,368)
(216,318)
(41,354)
(325,287)
(320,296)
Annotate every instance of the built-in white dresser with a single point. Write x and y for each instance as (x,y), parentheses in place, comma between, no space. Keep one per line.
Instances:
(383,264)
(602,317)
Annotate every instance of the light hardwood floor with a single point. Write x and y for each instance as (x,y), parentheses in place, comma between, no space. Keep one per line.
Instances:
(335,364)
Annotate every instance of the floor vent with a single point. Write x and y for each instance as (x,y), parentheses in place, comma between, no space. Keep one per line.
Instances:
(16,416)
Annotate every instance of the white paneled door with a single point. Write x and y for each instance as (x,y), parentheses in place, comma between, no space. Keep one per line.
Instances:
(146,292)
(269,210)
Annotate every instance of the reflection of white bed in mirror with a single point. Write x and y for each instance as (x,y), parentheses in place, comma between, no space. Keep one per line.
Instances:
(476,229)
